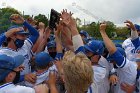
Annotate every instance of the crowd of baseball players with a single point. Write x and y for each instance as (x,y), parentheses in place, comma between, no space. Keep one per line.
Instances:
(33,60)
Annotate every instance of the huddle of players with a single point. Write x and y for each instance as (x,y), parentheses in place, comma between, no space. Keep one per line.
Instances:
(112,68)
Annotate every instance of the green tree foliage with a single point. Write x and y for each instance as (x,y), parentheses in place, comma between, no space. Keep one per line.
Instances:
(42,18)
(5,13)
(93,29)
(123,32)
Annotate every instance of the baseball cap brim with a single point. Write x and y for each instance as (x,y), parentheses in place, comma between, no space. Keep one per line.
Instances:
(23,32)
(88,48)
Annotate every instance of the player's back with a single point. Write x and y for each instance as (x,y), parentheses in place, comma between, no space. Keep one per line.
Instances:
(127,74)
(129,49)
(11,88)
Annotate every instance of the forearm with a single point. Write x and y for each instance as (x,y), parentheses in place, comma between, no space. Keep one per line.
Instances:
(134,35)
(136,42)
(77,41)
(74,31)
(53,89)
(33,32)
(41,46)
(58,45)
(108,43)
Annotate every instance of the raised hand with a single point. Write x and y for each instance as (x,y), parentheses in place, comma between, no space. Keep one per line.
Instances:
(16,18)
(103,27)
(12,31)
(41,26)
(67,18)
(130,25)
(59,29)
(47,33)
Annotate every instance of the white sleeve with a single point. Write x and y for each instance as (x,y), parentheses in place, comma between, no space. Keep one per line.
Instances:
(134,35)
(46,49)
(77,42)
(27,45)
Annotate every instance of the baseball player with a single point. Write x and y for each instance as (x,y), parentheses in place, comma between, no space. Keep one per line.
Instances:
(43,64)
(136,42)
(129,47)
(126,70)
(9,67)
(19,44)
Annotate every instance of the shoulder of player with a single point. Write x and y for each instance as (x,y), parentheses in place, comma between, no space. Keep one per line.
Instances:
(22,89)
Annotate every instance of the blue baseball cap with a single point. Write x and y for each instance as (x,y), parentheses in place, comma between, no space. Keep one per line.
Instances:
(121,50)
(20,32)
(137,27)
(7,64)
(42,59)
(86,40)
(85,33)
(95,46)
(51,44)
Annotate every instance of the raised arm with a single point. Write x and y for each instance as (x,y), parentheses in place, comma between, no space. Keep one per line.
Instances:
(16,18)
(8,34)
(71,24)
(134,34)
(113,51)
(108,43)
(43,42)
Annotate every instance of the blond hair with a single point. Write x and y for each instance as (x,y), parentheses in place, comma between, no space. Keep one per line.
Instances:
(78,72)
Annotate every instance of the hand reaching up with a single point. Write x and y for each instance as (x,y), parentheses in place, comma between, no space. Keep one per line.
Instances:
(16,18)
(130,25)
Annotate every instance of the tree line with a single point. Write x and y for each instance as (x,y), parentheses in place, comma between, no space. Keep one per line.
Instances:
(92,28)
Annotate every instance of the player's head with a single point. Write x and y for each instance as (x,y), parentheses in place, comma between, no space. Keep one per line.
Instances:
(78,72)
(84,34)
(137,28)
(18,38)
(10,68)
(52,48)
(43,61)
(94,49)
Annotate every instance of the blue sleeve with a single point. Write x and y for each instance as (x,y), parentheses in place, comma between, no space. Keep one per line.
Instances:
(119,59)
(33,32)
(59,56)
(2,38)
(80,49)
(21,78)
(136,42)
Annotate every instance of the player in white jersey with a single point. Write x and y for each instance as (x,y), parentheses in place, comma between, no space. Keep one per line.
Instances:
(19,44)
(9,67)
(129,47)
(126,70)
(43,64)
